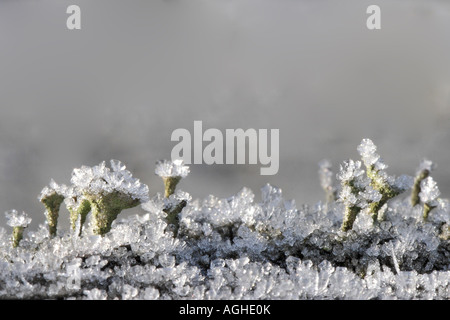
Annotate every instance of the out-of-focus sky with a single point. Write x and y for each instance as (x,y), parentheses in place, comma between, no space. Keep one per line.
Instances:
(137,70)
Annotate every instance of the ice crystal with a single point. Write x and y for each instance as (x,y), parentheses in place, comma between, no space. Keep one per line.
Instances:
(175,168)
(367,151)
(426,165)
(16,219)
(429,191)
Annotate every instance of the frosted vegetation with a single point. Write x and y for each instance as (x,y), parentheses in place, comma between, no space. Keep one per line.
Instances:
(375,236)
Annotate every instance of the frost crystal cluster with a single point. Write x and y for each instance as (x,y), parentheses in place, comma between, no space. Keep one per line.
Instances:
(239,247)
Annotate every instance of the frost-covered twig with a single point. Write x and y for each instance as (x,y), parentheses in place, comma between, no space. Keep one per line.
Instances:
(18,221)
(52,196)
(109,191)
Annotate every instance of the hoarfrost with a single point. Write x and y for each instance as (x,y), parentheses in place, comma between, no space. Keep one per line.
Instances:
(236,248)
(100,179)
(167,168)
(429,190)
(17,219)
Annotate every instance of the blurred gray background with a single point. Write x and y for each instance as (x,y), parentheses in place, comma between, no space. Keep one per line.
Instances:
(137,70)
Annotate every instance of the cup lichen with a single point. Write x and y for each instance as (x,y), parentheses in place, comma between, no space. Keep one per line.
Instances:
(171,173)
(51,197)
(108,191)
(18,221)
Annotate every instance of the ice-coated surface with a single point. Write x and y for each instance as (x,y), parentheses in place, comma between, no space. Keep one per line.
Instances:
(100,179)
(17,219)
(237,248)
(168,168)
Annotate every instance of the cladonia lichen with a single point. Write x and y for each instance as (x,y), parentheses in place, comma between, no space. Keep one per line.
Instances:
(51,197)
(108,191)
(171,173)
(386,185)
(18,221)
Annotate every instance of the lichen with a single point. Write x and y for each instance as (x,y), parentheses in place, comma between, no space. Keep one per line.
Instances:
(52,204)
(105,209)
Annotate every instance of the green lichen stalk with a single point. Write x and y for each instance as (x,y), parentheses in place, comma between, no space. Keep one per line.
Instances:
(415,199)
(106,208)
(379,184)
(426,210)
(170,184)
(52,204)
(17,236)
(79,213)
(18,221)
(173,215)
(352,193)
(350,215)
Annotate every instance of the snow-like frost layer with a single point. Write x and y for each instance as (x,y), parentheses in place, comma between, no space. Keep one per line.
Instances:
(237,248)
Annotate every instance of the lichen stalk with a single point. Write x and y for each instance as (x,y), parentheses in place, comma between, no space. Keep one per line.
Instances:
(349,217)
(170,184)
(106,208)
(415,199)
(17,235)
(79,213)
(52,204)
(427,207)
